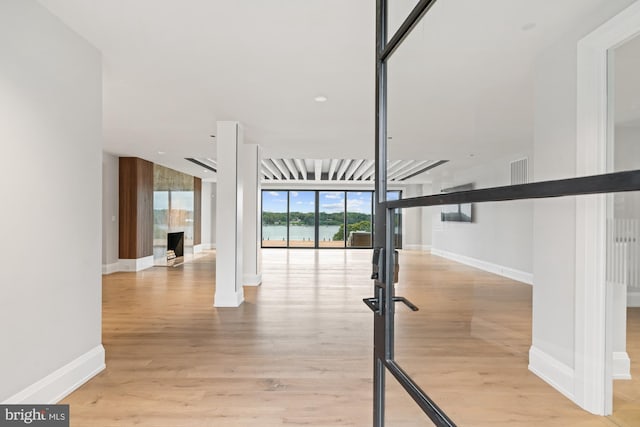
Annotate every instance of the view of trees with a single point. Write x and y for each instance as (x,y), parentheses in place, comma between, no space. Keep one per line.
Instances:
(310,222)
(356,226)
(308,218)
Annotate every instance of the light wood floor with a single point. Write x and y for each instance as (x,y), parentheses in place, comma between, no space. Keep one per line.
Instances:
(298,351)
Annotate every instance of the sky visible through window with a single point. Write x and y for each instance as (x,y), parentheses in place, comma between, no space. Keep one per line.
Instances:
(274,201)
(302,201)
(289,218)
(330,201)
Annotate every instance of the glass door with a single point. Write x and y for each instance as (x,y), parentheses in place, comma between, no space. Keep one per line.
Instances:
(470,109)
(359,219)
(331,215)
(302,219)
(275,219)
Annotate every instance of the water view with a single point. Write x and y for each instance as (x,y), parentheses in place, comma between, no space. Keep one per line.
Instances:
(341,218)
(298,232)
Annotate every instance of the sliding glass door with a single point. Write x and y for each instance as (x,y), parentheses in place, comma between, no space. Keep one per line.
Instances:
(275,219)
(319,219)
(302,219)
(331,219)
(359,219)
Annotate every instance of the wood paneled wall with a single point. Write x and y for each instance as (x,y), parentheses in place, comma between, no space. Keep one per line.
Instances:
(197,211)
(136,208)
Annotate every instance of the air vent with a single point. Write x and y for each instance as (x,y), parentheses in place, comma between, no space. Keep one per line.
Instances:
(520,171)
(205,163)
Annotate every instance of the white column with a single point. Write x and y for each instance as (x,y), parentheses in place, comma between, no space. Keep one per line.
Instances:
(229,216)
(251,158)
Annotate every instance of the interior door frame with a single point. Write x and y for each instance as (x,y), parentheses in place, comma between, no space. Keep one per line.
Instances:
(593,370)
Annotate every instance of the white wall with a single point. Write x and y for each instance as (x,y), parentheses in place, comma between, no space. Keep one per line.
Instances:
(412,225)
(110,198)
(500,237)
(417,221)
(427,219)
(209,215)
(50,303)
(627,157)
(251,156)
(229,216)
(554,219)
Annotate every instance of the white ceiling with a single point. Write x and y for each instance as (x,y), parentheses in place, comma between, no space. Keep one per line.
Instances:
(172,68)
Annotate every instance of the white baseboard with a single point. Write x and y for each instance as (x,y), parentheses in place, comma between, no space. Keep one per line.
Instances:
(207,246)
(552,371)
(136,264)
(198,248)
(621,365)
(425,248)
(62,382)
(110,268)
(511,273)
(252,279)
(233,299)
(633,298)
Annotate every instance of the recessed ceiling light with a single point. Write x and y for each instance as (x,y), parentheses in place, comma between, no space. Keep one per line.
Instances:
(205,171)
(320,98)
(161,152)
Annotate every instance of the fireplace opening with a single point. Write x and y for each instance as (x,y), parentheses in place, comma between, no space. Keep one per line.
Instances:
(175,245)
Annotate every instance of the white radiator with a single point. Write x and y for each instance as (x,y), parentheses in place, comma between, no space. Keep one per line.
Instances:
(623,252)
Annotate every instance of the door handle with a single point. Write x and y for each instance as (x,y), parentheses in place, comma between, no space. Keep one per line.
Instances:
(406,302)
(374,305)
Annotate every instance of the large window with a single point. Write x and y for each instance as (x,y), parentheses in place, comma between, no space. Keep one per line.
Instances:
(320,219)
(359,219)
(331,219)
(275,219)
(302,219)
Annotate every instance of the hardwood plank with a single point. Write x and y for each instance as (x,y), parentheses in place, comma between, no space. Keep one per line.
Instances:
(298,351)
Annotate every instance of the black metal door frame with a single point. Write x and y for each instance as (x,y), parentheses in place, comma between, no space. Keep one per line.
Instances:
(384,299)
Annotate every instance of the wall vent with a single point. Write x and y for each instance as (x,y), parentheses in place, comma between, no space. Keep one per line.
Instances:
(520,171)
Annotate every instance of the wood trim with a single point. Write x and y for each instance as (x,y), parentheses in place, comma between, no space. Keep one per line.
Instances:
(128,201)
(135,208)
(197,211)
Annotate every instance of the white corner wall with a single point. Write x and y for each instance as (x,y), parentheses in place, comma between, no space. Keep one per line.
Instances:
(50,293)
(554,236)
(417,221)
(110,200)
(627,157)
(250,158)
(209,215)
